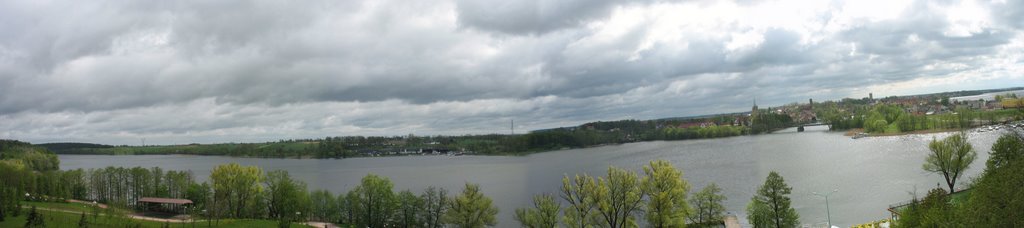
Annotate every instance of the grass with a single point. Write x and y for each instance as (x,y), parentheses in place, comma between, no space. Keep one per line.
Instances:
(60,206)
(69,219)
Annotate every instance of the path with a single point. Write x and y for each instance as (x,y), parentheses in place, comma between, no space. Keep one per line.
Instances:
(732,222)
(321,225)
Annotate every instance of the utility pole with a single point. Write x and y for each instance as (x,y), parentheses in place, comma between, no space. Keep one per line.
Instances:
(828,212)
(512,126)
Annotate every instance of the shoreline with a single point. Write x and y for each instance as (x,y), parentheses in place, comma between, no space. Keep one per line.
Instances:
(855,131)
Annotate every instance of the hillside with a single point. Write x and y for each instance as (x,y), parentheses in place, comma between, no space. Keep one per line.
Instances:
(35,157)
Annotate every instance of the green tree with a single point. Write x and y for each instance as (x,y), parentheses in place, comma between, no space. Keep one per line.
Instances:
(409,207)
(471,209)
(1009,147)
(666,192)
(579,193)
(707,205)
(349,204)
(950,157)
(34,219)
(237,187)
(619,197)
(759,214)
(544,213)
(937,210)
(996,199)
(82,221)
(377,201)
(771,206)
(285,197)
(323,206)
(435,204)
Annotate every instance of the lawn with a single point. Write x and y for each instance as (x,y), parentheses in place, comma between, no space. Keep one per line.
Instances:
(60,206)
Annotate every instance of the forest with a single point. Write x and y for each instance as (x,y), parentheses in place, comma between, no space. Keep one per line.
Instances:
(586,135)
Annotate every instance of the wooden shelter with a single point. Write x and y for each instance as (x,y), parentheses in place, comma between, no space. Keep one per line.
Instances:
(165,204)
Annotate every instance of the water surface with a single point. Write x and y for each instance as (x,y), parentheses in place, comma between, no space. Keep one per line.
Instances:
(870,173)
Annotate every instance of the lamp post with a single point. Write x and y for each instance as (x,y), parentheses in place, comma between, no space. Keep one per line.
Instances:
(828,212)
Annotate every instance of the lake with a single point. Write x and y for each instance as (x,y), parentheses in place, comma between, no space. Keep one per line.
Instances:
(870,173)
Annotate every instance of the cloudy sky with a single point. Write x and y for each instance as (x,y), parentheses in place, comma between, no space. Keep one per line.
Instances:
(242,71)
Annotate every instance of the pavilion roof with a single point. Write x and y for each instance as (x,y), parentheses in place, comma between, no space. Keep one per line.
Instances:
(164,200)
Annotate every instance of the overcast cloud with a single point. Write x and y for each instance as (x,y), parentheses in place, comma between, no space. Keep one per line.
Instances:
(241,71)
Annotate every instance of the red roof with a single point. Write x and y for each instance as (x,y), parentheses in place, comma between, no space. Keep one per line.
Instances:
(164,200)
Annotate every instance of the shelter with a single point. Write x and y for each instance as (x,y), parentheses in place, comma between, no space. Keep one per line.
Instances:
(165,204)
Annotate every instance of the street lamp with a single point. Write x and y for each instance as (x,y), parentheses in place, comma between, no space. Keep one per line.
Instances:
(828,212)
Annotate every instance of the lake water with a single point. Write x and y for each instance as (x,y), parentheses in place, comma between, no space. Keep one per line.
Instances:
(870,173)
(987,96)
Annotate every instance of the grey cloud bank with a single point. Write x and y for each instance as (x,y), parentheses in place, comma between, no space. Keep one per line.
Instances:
(217,71)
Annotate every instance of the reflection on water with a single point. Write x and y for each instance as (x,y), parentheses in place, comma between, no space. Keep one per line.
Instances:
(870,173)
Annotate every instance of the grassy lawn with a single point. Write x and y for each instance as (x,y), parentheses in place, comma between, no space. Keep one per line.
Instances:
(60,206)
(67,219)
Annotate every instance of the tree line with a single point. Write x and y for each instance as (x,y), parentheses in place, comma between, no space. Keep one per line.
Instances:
(590,134)
(886,118)
(658,198)
(246,192)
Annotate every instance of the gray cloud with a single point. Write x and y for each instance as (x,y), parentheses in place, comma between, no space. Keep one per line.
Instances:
(261,70)
(533,16)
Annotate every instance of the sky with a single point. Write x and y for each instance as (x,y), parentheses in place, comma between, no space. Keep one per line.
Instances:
(174,72)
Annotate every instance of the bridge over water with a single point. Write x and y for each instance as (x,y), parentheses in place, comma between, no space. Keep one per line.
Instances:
(800,127)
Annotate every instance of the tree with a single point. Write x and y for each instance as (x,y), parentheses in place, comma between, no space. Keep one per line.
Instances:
(1008,147)
(82,221)
(579,193)
(435,203)
(376,201)
(409,207)
(237,187)
(544,213)
(471,209)
(934,211)
(323,206)
(34,219)
(619,197)
(707,205)
(771,206)
(350,207)
(950,157)
(666,191)
(996,199)
(285,197)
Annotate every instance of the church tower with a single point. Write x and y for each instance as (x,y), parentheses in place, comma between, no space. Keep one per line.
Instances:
(754,110)
(753,113)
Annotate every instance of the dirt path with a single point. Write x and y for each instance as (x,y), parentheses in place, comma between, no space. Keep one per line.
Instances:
(321,225)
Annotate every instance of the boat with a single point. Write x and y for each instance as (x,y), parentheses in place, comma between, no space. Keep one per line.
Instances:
(860,135)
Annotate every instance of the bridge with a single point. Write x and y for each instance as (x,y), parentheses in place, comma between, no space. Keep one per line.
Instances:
(800,128)
(818,123)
